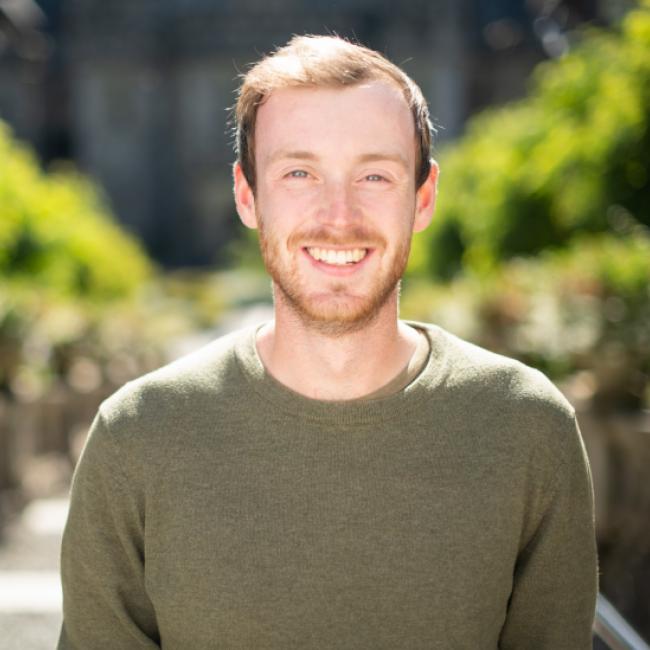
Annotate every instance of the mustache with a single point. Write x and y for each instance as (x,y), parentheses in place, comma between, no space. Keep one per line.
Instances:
(354,236)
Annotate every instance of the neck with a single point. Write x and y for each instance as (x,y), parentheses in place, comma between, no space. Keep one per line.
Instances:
(349,366)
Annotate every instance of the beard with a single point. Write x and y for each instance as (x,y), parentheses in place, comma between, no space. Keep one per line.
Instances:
(334,311)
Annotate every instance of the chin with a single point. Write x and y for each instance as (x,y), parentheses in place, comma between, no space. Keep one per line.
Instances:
(335,317)
(334,327)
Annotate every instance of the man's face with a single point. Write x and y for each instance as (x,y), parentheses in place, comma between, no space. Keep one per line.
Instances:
(336,203)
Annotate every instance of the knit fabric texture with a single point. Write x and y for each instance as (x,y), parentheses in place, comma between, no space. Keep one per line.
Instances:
(215,508)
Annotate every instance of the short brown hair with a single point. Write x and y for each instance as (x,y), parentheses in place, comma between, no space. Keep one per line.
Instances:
(323,61)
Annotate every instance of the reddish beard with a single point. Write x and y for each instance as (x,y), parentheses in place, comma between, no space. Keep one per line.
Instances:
(338,312)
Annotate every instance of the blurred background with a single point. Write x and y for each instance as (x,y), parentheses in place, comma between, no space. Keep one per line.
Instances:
(120,248)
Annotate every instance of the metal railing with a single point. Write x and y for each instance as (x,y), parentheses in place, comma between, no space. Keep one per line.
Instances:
(611,628)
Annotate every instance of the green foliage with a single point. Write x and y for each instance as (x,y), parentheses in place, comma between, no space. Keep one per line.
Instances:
(56,234)
(68,274)
(567,159)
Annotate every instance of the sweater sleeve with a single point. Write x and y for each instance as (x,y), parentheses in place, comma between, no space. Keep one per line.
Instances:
(105,602)
(555,582)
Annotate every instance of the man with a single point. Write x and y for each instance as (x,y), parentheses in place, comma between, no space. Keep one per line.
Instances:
(336,478)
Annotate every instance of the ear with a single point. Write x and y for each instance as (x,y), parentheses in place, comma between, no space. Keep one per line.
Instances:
(425,199)
(244,198)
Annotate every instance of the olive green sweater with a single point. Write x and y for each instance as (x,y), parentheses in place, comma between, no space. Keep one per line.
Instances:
(215,508)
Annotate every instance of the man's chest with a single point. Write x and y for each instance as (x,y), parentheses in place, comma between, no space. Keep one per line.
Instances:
(325,543)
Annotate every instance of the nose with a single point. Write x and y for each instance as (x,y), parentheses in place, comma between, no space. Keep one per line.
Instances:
(338,208)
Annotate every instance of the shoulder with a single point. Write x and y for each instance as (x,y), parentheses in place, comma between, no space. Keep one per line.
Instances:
(179,390)
(515,399)
(471,367)
(150,423)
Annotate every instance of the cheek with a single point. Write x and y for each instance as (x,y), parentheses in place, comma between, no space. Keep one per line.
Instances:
(290,202)
(392,195)
(393,208)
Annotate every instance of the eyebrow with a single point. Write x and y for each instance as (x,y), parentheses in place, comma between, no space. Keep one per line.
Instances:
(381,156)
(378,156)
(291,155)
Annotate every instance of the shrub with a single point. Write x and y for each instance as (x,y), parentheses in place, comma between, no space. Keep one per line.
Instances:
(57,234)
(567,159)
(66,268)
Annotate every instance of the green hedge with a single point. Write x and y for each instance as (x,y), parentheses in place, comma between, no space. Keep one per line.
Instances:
(68,276)
(56,233)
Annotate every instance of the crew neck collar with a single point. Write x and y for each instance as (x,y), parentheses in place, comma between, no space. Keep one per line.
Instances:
(355,410)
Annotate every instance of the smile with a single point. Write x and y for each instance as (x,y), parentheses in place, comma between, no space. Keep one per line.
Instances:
(337,257)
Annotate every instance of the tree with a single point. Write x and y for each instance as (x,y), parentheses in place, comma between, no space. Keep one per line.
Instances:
(57,235)
(572,157)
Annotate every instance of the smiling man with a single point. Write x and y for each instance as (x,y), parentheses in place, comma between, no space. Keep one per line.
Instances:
(335,478)
(336,204)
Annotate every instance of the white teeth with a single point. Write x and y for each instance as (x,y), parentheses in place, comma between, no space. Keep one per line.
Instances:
(339,257)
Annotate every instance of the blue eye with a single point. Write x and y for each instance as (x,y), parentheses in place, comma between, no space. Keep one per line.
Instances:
(297,173)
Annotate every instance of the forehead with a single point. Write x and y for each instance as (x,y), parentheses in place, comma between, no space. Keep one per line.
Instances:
(367,116)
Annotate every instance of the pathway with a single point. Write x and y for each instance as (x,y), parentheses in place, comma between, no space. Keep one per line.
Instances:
(30,592)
